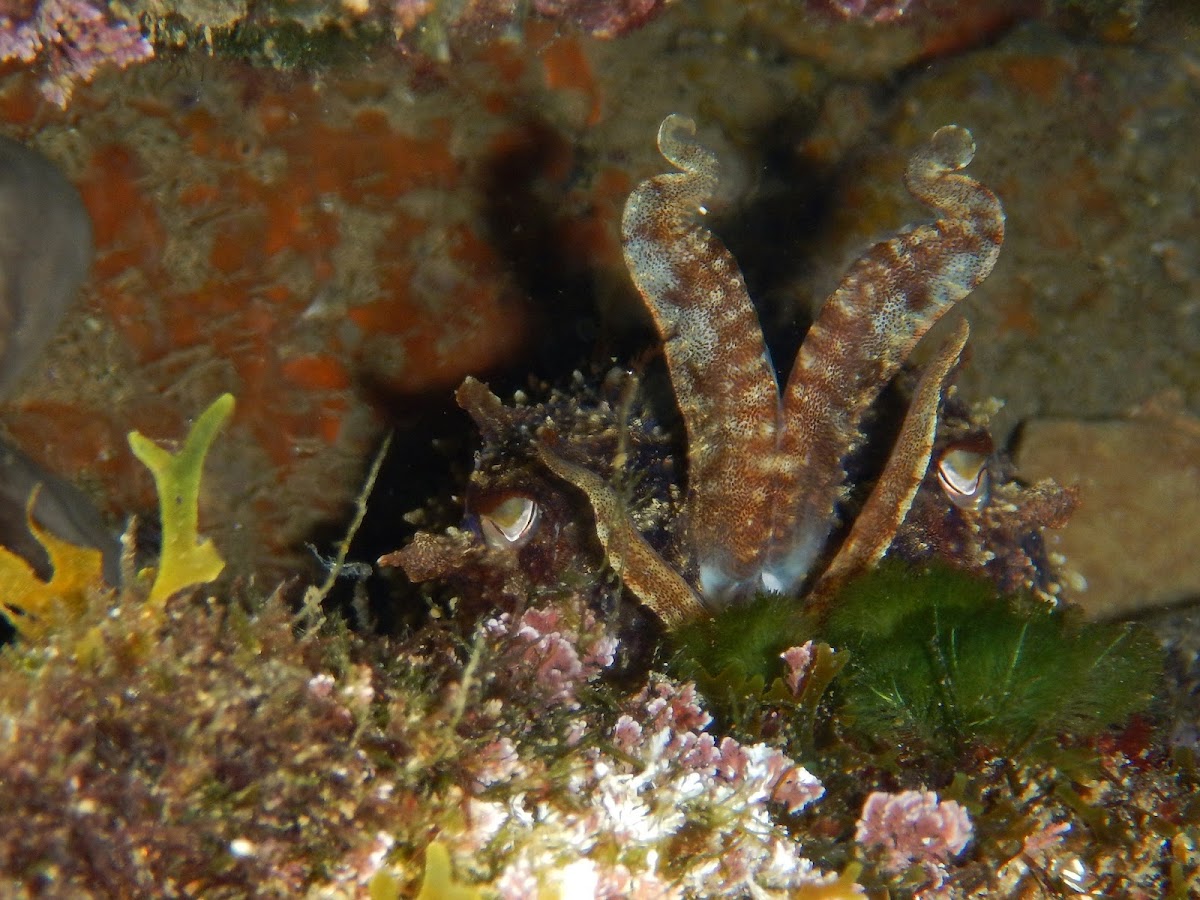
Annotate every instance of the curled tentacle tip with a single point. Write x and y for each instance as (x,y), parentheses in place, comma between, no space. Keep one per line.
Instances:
(677,143)
(675,124)
(952,146)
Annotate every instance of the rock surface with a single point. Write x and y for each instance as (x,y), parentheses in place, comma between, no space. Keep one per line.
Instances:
(1135,535)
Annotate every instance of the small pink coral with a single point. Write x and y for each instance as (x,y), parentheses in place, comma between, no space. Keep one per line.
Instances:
(543,656)
(1046,838)
(766,774)
(914,827)
(876,12)
(666,775)
(496,762)
(76,38)
(627,734)
(799,661)
(601,18)
(407,14)
(674,706)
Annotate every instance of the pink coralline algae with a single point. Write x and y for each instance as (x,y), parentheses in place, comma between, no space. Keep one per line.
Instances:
(407,14)
(913,827)
(874,11)
(668,777)
(799,662)
(548,653)
(598,18)
(603,19)
(75,38)
(638,780)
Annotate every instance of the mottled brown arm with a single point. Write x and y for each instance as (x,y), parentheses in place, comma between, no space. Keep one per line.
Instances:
(722,376)
(890,500)
(884,305)
(640,568)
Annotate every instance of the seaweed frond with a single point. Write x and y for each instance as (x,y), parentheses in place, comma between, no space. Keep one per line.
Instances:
(438,883)
(35,606)
(186,559)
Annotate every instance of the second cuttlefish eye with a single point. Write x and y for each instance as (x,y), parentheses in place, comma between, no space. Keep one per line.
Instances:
(510,522)
(962,472)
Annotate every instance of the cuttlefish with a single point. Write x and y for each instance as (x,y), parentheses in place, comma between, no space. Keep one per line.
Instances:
(766,502)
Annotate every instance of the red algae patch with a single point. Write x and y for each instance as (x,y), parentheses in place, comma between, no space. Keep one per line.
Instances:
(282,238)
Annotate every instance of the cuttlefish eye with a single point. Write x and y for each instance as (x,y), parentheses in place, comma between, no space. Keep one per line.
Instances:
(963,474)
(509,522)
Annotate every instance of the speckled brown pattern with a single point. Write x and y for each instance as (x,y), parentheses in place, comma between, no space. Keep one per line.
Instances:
(885,510)
(766,486)
(723,379)
(884,305)
(765,477)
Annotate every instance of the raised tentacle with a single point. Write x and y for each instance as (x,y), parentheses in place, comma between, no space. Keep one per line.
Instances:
(719,366)
(885,303)
(890,500)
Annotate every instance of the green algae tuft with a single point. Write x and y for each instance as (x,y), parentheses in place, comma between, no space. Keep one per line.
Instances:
(745,641)
(937,657)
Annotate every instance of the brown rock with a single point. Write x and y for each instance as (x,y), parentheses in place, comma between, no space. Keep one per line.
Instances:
(1135,537)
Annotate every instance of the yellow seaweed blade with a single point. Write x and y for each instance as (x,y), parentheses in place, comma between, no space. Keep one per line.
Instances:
(39,605)
(439,883)
(384,885)
(186,559)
